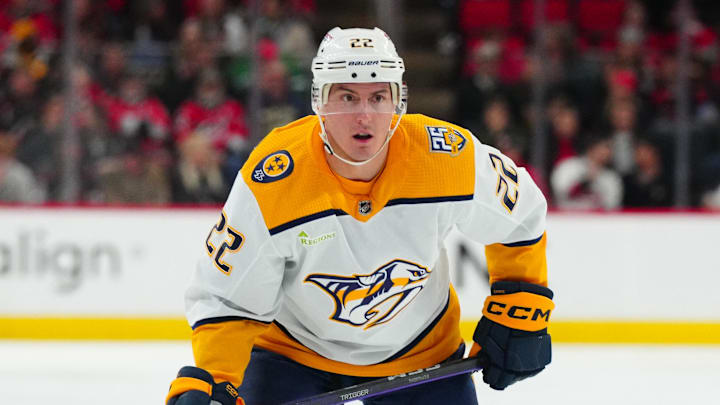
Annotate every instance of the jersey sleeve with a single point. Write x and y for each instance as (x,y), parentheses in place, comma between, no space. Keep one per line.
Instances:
(507,215)
(235,292)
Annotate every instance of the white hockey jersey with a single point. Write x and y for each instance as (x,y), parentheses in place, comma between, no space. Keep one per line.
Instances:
(352,277)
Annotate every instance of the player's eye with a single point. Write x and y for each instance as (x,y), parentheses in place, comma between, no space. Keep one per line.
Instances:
(347,97)
(378,98)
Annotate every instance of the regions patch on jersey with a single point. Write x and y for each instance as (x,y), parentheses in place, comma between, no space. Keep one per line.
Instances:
(275,166)
(446,140)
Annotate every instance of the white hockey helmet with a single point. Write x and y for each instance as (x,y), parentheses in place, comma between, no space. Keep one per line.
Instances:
(357,55)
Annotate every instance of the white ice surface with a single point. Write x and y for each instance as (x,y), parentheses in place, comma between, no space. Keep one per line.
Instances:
(85,373)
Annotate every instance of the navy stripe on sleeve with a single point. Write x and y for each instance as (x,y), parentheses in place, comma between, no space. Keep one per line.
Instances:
(523,243)
(307,218)
(427,200)
(289,335)
(338,212)
(221,319)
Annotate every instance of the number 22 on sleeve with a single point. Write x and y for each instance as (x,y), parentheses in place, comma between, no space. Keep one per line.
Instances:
(232,242)
(507,183)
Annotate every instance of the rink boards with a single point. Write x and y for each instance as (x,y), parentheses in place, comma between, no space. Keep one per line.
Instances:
(101,273)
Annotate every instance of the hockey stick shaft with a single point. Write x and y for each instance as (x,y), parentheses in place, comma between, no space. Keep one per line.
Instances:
(390,384)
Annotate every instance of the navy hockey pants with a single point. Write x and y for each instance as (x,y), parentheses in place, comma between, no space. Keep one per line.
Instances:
(274,379)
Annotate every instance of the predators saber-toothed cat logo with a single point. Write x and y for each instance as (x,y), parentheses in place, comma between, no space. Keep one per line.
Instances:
(373,299)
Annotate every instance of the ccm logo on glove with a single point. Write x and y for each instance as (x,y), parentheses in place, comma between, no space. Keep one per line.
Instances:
(512,336)
(520,310)
(497,308)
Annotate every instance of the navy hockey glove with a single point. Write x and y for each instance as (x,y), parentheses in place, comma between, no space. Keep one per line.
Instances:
(195,386)
(512,336)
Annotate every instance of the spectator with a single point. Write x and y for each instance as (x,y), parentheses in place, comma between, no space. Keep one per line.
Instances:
(198,177)
(663,101)
(565,131)
(239,73)
(19,103)
(133,177)
(629,52)
(708,175)
(28,35)
(28,54)
(632,37)
(281,33)
(212,115)
(623,117)
(91,98)
(637,88)
(498,128)
(135,169)
(149,50)
(559,54)
(711,199)
(293,36)
(111,67)
(222,27)
(36,17)
(155,20)
(635,15)
(647,185)
(585,182)
(91,127)
(93,27)
(41,147)
(630,73)
(622,83)
(191,57)
(17,183)
(280,105)
(136,118)
(483,80)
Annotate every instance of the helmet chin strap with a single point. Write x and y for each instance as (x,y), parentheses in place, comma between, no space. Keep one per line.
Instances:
(329,149)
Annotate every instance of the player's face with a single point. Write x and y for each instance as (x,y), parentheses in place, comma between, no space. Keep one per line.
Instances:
(357,118)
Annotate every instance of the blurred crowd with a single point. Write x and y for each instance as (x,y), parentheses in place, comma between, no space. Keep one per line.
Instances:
(162,93)
(612,70)
(161,89)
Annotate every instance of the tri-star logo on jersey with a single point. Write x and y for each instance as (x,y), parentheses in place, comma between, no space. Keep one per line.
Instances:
(373,299)
(446,140)
(275,166)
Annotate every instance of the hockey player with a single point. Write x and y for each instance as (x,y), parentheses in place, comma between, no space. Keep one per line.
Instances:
(327,268)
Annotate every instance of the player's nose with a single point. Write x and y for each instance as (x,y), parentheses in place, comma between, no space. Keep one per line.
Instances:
(363,117)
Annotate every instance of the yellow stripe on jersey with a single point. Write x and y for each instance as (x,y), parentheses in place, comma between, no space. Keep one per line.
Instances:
(518,263)
(412,172)
(441,342)
(611,331)
(218,347)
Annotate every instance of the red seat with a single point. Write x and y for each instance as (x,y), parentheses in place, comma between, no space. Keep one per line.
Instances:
(600,18)
(556,11)
(478,16)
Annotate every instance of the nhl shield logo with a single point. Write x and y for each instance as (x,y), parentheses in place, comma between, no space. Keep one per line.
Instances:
(364,207)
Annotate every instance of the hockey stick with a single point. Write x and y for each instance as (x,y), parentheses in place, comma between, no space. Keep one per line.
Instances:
(390,384)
